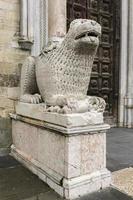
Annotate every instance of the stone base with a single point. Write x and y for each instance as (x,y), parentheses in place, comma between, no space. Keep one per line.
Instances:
(77,120)
(128,113)
(71,160)
(70,189)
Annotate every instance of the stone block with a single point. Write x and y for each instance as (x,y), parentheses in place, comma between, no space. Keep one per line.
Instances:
(69,120)
(54,157)
(70,159)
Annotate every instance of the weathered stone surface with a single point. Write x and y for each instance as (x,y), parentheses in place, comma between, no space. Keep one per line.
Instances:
(93,153)
(10,58)
(38,111)
(57,20)
(71,161)
(13,93)
(26,139)
(87,151)
(62,73)
(11,80)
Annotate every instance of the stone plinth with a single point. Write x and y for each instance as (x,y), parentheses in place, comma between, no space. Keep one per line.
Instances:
(68,152)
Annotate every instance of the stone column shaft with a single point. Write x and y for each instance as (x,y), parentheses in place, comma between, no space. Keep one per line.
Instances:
(128,122)
(123,61)
(57,19)
(30,20)
(24,22)
(130,54)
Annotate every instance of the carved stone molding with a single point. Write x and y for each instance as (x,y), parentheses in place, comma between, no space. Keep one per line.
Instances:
(33,25)
(26,25)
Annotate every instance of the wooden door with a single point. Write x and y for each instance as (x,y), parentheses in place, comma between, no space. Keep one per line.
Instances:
(105,74)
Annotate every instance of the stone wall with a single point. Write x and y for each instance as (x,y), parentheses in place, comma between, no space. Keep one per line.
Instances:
(11,57)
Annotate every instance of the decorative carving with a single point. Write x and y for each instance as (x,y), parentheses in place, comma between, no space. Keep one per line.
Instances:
(33,25)
(62,73)
(91,104)
(94,83)
(105,68)
(94,4)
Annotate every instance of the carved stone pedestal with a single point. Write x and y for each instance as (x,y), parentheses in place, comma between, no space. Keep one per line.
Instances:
(68,152)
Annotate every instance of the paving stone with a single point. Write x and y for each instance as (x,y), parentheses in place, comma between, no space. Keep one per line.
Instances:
(119,148)
(108,194)
(17,183)
(123,180)
(8,161)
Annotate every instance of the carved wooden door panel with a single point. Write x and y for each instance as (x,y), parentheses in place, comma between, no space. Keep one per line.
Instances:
(104,79)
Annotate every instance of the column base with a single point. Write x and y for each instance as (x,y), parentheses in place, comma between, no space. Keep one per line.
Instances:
(128,114)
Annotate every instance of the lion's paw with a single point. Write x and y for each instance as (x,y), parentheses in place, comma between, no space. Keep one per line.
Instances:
(33,99)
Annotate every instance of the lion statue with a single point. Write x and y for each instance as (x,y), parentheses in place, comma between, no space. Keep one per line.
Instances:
(60,75)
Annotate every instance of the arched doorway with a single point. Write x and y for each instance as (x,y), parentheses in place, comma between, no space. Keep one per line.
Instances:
(105,75)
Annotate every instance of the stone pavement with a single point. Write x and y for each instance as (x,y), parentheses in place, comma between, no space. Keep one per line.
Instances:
(123,180)
(119,148)
(17,183)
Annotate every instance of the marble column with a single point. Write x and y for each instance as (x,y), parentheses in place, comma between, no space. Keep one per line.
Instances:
(123,62)
(57,19)
(126,67)
(26,25)
(129,96)
(130,48)
(27,20)
(24,22)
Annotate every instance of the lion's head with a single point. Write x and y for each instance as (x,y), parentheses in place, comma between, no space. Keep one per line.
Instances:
(84,33)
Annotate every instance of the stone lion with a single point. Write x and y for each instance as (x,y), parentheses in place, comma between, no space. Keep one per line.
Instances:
(60,75)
